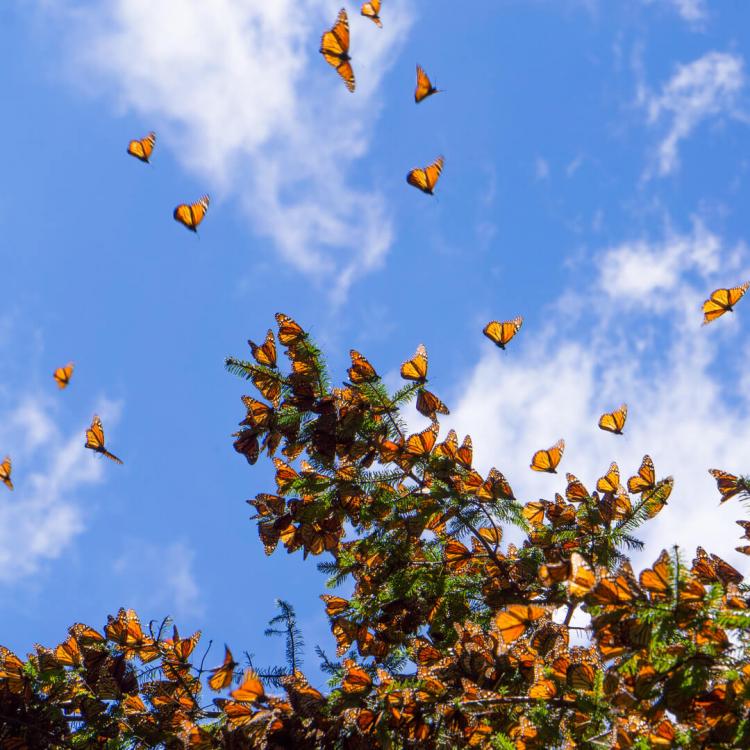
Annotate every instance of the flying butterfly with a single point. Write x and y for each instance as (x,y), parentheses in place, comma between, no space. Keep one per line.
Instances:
(5,469)
(95,439)
(722,301)
(371,10)
(547,460)
(425,178)
(250,690)
(191,215)
(501,333)
(334,46)
(430,405)
(62,375)
(143,147)
(265,354)
(221,677)
(424,86)
(416,367)
(614,421)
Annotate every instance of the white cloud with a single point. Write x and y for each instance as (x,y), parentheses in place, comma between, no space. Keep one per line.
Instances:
(698,91)
(237,90)
(692,11)
(609,348)
(40,519)
(165,575)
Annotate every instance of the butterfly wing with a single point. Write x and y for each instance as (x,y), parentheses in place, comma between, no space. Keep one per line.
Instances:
(62,375)
(5,469)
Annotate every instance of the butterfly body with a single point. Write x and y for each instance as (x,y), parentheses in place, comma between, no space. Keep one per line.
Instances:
(95,439)
(425,178)
(334,46)
(191,215)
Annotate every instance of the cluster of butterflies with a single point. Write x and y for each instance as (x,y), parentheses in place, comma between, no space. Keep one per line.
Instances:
(189,215)
(94,434)
(334,46)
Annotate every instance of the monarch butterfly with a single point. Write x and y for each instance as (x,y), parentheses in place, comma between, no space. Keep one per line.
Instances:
(143,147)
(5,468)
(192,215)
(658,580)
(221,677)
(334,46)
(582,578)
(610,482)
(290,332)
(502,333)
(430,405)
(422,443)
(645,479)
(335,605)
(361,370)
(729,485)
(95,439)
(265,354)
(576,492)
(547,460)
(125,630)
(512,621)
(371,10)
(424,86)
(416,367)
(614,421)
(457,555)
(465,453)
(426,178)
(250,690)
(356,681)
(721,301)
(62,375)
(543,690)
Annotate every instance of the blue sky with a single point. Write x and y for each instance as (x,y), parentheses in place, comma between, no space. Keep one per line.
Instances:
(595,182)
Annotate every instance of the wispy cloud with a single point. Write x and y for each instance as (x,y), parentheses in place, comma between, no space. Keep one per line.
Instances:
(160,578)
(242,97)
(607,343)
(41,518)
(706,88)
(692,11)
